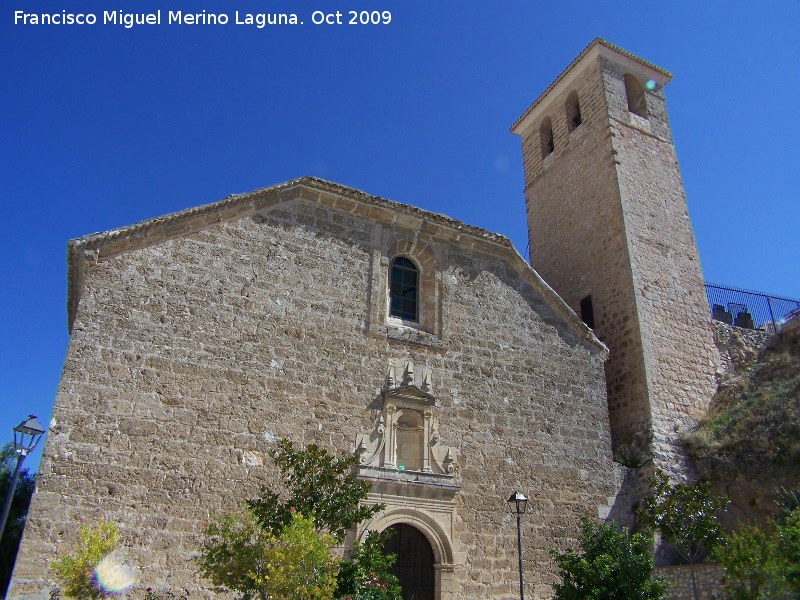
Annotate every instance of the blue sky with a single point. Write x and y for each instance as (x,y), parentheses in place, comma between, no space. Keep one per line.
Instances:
(102,126)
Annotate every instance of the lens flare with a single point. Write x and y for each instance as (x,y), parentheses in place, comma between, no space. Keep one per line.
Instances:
(650,85)
(114,574)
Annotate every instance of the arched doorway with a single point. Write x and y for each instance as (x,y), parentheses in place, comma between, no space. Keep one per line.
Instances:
(414,564)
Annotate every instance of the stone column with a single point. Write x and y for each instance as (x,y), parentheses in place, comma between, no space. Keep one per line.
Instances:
(390,451)
(426,440)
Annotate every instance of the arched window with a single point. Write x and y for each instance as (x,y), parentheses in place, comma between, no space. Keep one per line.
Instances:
(546,134)
(634,90)
(574,118)
(404,289)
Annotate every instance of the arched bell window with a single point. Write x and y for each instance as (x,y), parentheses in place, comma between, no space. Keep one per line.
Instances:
(573,108)
(634,91)
(404,289)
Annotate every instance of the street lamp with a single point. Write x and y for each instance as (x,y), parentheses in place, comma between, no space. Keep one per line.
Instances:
(26,435)
(517,503)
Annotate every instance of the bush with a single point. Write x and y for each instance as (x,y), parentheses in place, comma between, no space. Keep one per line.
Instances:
(254,554)
(295,564)
(319,486)
(762,563)
(610,565)
(366,576)
(76,571)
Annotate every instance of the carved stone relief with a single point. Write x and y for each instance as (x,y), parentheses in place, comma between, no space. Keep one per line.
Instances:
(406,433)
(411,470)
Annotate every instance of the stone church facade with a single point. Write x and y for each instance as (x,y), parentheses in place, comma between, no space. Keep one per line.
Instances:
(316,312)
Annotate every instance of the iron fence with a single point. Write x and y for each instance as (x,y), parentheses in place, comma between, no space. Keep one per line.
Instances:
(751,310)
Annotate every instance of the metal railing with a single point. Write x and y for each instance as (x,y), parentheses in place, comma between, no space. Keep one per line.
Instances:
(751,310)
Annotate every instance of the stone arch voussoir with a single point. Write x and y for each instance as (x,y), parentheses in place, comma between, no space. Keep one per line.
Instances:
(437,538)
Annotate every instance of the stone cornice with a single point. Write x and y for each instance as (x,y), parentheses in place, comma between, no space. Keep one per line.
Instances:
(109,243)
(555,301)
(408,393)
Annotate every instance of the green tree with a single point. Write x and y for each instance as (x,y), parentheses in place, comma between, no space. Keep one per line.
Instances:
(762,563)
(75,571)
(366,575)
(17,514)
(750,558)
(254,562)
(789,530)
(609,565)
(686,516)
(317,485)
(788,500)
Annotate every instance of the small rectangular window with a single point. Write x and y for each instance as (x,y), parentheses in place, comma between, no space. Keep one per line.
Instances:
(587,312)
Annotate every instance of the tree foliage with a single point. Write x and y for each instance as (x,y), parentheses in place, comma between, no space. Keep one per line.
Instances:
(609,565)
(686,516)
(293,564)
(788,500)
(75,570)
(748,556)
(789,530)
(258,552)
(762,563)
(17,514)
(317,485)
(366,575)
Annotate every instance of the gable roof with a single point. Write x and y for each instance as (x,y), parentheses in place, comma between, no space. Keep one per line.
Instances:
(96,247)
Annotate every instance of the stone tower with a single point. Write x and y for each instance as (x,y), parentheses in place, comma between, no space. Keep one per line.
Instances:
(609,230)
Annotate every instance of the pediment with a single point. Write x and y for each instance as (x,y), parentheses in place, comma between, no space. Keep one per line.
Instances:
(410,395)
(95,248)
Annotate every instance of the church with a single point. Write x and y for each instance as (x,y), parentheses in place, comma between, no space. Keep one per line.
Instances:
(457,371)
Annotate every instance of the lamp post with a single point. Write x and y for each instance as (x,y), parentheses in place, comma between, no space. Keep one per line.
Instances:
(26,435)
(517,503)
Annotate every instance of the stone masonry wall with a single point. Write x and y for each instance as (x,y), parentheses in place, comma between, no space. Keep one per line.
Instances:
(708,577)
(189,357)
(678,345)
(738,348)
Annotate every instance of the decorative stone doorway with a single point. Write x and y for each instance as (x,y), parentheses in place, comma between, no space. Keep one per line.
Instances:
(414,564)
(411,473)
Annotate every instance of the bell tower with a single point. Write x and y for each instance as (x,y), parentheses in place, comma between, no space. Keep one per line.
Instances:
(609,230)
